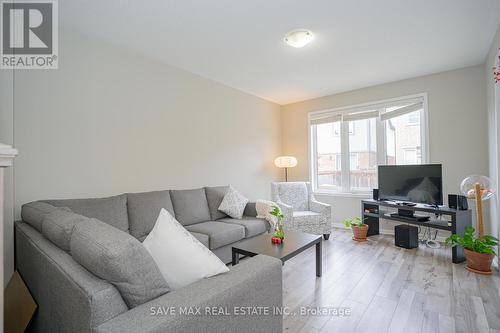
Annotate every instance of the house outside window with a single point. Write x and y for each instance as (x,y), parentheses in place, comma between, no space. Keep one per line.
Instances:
(344,160)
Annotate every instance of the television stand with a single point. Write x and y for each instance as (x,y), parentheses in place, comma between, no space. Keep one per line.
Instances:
(374,210)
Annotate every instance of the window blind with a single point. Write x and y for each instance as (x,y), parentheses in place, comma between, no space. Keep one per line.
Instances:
(360,115)
(401,111)
(325,119)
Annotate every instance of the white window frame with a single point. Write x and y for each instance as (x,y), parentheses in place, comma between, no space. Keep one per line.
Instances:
(381,153)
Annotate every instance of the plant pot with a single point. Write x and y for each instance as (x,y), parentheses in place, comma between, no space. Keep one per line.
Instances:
(359,233)
(478,262)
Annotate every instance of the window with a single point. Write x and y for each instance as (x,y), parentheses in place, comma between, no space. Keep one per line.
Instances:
(351,130)
(348,144)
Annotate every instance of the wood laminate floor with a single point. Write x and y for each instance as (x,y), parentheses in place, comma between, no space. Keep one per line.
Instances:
(388,289)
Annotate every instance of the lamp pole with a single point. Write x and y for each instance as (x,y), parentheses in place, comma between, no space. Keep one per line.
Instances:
(479,210)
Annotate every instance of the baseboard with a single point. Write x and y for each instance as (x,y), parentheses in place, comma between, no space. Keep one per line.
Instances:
(389,232)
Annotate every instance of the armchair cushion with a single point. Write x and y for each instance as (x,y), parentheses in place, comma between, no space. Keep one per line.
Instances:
(305,213)
(294,194)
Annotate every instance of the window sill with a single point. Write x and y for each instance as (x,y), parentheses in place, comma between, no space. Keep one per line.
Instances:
(362,195)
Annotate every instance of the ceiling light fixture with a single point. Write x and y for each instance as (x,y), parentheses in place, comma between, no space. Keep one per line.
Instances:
(299,37)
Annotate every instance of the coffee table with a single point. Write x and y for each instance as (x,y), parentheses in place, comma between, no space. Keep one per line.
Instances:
(294,243)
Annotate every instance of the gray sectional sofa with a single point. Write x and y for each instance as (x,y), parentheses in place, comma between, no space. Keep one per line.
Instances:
(72,299)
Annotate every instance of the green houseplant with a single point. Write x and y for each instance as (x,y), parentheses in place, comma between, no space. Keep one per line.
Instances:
(359,229)
(279,234)
(479,251)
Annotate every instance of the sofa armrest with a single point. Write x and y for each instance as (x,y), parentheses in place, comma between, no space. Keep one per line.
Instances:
(286,210)
(250,209)
(69,298)
(213,304)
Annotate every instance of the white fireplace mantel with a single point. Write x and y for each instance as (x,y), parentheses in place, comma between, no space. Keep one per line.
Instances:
(7,154)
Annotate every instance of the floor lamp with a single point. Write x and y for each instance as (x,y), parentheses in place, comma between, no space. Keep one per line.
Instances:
(285,162)
(478,188)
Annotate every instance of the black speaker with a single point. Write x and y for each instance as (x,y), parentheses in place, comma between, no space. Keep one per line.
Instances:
(375,194)
(456,201)
(406,236)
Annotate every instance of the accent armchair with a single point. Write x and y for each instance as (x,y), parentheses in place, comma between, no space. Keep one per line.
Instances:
(301,211)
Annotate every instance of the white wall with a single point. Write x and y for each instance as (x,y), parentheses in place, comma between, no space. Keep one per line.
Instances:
(493,127)
(457,127)
(108,122)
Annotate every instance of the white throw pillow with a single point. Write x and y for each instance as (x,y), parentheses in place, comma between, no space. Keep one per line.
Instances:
(233,203)
(181,258)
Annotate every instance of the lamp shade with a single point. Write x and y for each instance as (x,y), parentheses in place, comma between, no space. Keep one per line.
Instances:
(285,161)
(468,187)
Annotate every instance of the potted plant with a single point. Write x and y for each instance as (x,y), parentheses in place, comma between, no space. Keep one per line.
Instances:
(359,229)
(479,251)
(279,234)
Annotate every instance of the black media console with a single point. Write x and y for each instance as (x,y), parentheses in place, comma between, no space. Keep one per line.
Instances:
(443,218)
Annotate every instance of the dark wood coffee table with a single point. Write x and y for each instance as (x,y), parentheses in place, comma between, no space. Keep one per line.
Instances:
(295,242)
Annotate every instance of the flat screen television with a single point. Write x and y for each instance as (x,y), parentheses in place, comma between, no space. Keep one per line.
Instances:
(412,183)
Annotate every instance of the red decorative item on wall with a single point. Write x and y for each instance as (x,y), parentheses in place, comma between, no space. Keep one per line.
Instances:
(496,68)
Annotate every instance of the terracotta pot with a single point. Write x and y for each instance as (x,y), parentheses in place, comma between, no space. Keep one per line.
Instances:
(478,262)
(359,233)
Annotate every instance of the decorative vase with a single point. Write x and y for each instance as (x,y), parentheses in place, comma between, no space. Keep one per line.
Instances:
(279,234)
(478,262)
(359,233)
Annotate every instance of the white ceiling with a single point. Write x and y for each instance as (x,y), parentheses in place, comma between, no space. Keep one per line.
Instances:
(239,43)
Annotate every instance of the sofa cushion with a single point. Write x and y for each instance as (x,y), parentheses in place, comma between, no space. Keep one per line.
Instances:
(119,258)
(143,209)
(58,225)
(112,210)
(34,212)
(190,206)
(253,226)
(201,237)
(214,197)
(219,233)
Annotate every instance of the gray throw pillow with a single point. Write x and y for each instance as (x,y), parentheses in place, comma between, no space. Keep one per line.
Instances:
(119,258)
(233,204)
